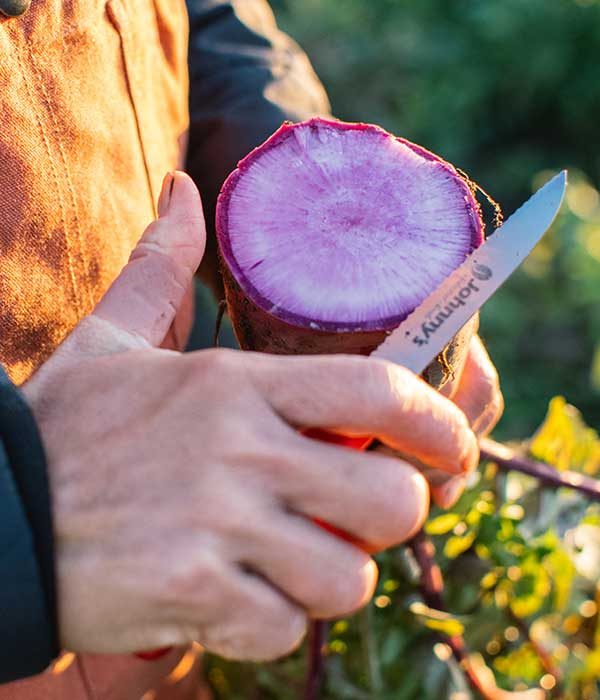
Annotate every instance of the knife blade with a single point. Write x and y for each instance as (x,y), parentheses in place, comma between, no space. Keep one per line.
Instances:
(429,328)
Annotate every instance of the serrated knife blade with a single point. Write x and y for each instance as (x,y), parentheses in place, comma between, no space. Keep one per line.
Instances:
(429,328)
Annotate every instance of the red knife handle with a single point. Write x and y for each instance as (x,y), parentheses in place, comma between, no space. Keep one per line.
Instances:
(356,443)
(153,654)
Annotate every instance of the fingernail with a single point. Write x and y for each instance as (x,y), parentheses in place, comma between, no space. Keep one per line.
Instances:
(448,494)
(470,460)
(166,191)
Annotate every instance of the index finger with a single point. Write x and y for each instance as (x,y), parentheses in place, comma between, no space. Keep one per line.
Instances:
(362,396)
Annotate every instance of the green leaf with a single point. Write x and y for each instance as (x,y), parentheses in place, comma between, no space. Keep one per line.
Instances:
(442,524)
(450,627)
(455,545)
(490,579)
(531,590)
(591,667)
(562,572)
(507,530)
(522,663)
(565,441)
(592,516)
(545,544)
(512,511)
(437,620)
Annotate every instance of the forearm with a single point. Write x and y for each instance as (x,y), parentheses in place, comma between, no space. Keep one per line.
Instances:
(246,78)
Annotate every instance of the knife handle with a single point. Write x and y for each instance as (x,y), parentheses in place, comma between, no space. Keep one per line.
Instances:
(153,654)
(355,443)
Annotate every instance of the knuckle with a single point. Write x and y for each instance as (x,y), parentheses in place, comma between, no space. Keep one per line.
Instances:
(216,370)
(190,224)
(193,582)
(158,254)
(215,361)
(245,523)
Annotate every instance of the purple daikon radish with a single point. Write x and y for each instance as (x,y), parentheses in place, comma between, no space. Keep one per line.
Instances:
(332,233)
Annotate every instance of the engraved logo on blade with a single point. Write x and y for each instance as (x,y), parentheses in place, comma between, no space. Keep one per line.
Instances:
(482,273)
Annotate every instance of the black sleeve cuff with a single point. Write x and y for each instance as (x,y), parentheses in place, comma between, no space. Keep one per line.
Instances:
(28,619)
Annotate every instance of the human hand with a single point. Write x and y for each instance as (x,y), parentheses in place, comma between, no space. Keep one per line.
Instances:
(183,493)
(476,391)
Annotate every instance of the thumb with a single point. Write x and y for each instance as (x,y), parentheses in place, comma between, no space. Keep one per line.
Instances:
(144,299)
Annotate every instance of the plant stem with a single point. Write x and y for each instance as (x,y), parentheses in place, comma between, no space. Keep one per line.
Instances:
(370,652)
(508,460)
(432,589)
(221,310)
(316,660)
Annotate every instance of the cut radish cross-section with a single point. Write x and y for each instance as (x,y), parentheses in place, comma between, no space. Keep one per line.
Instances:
(334,228)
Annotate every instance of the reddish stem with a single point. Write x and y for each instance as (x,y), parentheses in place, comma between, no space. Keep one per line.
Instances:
(431,585)
(316,660)
(509,460)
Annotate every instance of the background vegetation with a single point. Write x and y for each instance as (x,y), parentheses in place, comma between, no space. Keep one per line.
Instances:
(509,91)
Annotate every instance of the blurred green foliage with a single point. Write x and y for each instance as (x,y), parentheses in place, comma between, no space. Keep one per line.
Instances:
(507,90)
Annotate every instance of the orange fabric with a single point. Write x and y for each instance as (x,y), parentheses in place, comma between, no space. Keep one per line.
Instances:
(93,100)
